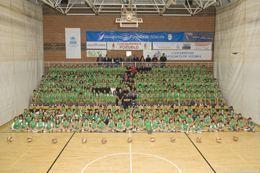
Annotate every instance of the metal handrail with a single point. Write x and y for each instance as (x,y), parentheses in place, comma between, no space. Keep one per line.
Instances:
(122,64)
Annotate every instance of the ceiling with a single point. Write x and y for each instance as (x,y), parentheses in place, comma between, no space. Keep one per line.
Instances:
(142,7)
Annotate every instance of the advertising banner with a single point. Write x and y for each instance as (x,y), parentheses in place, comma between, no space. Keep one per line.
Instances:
(129,46)
(96,45)
(96,53)
(115,36)
(181,54)
(182,45)
(72,42)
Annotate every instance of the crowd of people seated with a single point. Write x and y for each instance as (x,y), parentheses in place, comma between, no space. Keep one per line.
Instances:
(81,85)
(182,98)
(179,85)
(156,118)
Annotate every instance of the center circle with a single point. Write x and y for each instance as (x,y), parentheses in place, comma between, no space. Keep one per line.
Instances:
(136,162)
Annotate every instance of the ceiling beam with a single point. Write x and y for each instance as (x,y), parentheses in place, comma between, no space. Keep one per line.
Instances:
(91,5)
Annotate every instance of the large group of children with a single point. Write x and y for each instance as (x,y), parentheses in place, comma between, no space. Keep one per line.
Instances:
(185,85)
(78,85)
(154,118)
(168,99)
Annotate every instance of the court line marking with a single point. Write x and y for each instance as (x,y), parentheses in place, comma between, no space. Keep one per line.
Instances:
(130,154)
(119,154)
(130,158)
(211,167)
(60,152)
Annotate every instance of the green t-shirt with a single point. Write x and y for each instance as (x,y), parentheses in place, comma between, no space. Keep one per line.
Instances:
(166,118)
(241,123)
(213,126)
(57,125)
(148,125)
(232,124)
(85,124)
(40,124)
(120,125)
(184,126)
(48,125)
(16,125)
(66,124)
(24,125)
(155,124)
(111,124)
(189,120)
(32,124)
(94,125)
(128,123)
(163,125)
(183,116)
(101,125)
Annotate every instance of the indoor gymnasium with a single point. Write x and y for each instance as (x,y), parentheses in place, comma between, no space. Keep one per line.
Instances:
(129,86)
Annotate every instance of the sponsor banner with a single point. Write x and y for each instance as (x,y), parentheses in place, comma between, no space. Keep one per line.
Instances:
(73,44)
(201,46)
(181,54)
(96,53)
(129,45)
(198,37)
(96,45)
(182,45)
(115,36)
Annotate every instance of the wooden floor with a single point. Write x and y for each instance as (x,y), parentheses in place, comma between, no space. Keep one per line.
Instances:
(184,155)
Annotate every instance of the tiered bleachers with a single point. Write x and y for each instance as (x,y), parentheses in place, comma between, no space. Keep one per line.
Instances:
(179,98)
(78,85)
(180,84)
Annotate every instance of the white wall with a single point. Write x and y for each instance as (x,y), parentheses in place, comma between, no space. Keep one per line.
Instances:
(21,55)
(237,55)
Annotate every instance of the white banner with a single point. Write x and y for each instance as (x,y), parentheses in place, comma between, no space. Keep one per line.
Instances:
(182,45)
(96,45)
(96,53)
(73,44)
(181,54)
(129,45)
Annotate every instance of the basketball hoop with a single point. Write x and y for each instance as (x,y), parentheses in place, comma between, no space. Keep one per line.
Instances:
(128,17)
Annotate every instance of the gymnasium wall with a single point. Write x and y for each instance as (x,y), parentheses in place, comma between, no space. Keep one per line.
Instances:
(21,55)
(237,45)
(54,27)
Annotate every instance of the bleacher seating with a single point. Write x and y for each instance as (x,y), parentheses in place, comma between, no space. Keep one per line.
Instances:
(169,99)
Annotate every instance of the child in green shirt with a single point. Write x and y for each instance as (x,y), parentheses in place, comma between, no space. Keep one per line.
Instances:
(85,126)
(111,125)
(16,124)
(40,125)
(120,127)
(213,126)
(101,126)
(49,126)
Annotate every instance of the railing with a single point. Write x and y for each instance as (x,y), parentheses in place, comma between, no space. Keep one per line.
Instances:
(124,64)
(48,64)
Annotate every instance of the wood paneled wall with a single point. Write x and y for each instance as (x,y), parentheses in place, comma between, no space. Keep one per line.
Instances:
(54,30)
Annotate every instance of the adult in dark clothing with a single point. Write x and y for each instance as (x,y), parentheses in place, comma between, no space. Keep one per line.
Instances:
(119,96)
(99,59)
(154,59)
(148,58)
(163,59)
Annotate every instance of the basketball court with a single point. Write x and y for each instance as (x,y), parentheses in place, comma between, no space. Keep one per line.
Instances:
(180,65)
(184,155)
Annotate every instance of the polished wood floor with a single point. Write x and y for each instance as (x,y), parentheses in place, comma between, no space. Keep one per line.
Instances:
(185,155)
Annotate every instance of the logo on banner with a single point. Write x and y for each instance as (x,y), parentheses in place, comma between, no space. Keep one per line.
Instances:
(170,37)
(72,41)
